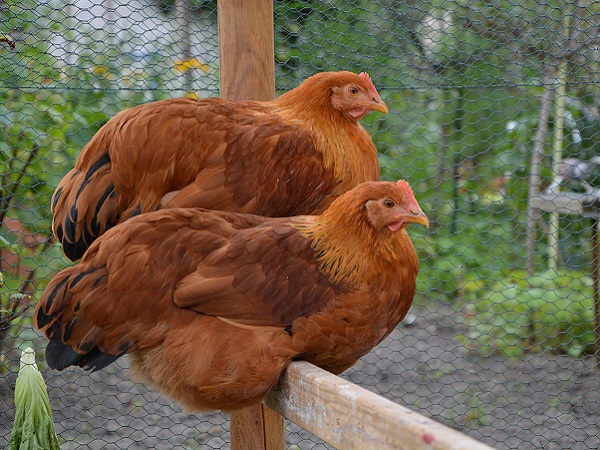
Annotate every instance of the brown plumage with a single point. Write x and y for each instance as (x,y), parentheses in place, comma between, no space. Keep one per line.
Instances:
(285,157)
(213,305)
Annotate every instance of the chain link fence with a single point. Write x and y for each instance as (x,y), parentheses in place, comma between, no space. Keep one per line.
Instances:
(494,119)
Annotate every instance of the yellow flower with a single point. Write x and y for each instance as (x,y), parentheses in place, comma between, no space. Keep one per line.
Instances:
(99,70)
(103,71)
(192,63)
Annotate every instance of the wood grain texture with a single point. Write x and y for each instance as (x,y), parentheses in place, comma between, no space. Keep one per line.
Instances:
(248,72)
(350,417)
(246,49)
(257,427)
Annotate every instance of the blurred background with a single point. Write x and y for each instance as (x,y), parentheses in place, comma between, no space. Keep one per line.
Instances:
(495,121)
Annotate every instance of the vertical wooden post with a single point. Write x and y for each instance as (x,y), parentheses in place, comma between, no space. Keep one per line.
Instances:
(246,49)
(247,72)
(256,428)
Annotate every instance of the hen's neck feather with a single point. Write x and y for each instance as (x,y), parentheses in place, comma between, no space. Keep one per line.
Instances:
(349,249)
(346,146)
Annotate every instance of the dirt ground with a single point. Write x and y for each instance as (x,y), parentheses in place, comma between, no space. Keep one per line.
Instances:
(541,402)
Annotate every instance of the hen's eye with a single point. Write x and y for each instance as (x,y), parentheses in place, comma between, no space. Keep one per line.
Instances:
(389,203)
(353,90)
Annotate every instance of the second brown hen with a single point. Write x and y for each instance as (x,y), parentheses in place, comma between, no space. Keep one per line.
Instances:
(285,157)
(212,306)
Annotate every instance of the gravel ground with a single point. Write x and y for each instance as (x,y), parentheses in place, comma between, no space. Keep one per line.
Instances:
(541,402)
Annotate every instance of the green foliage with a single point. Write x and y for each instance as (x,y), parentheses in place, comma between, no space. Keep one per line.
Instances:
(474,255)
(314,36)
(547,312)
(31,65)
(508,311)
(12,310)
(33,428)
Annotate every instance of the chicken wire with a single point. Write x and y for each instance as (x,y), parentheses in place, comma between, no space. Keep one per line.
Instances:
(487,99)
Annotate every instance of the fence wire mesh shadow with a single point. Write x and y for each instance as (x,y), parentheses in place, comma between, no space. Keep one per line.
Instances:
(491,106)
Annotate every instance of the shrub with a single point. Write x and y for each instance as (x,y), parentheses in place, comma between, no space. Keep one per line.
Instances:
(550,311)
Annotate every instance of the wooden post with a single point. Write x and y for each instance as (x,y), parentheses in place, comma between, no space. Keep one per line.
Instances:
(559,138)
(247,72)
(256,428)
(246,49)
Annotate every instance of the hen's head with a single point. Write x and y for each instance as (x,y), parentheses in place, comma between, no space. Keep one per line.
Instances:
(362,231)
(350,94)
(393,206)
(377,207)
(355,95)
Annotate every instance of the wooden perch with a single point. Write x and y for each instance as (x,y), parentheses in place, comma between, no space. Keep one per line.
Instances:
(346,416)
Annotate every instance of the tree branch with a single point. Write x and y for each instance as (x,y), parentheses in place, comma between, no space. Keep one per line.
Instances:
(5,200)
(510,36)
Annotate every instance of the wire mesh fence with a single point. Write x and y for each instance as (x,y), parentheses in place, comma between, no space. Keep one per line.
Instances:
(492,106)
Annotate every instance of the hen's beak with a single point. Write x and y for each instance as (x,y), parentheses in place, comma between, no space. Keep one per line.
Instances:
(414,216)
(378,105)
(418,217)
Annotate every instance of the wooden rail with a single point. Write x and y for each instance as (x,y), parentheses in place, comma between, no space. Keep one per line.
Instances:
(342,414)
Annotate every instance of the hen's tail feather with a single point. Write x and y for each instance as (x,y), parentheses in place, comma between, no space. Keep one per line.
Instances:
(84,206)
(60,356)
(43,316)
(55,317)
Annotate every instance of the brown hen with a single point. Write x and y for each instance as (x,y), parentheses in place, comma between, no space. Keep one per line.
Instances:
(213,305)
(285,157)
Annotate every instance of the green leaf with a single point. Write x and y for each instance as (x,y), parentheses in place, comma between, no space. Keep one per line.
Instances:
(33,428)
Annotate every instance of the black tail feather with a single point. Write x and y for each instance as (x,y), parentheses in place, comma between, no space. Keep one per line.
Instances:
(74,239)
(43,318)
(96,360)
(60,356)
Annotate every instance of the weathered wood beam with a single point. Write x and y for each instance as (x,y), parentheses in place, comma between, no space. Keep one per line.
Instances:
(350,417)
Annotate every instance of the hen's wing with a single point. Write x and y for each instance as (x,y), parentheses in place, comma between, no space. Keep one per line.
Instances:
(266,276)
(209,153)
(157,270)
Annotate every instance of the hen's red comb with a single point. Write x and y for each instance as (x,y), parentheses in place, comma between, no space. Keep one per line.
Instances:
(364,76)
(404,187)
(408,192)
